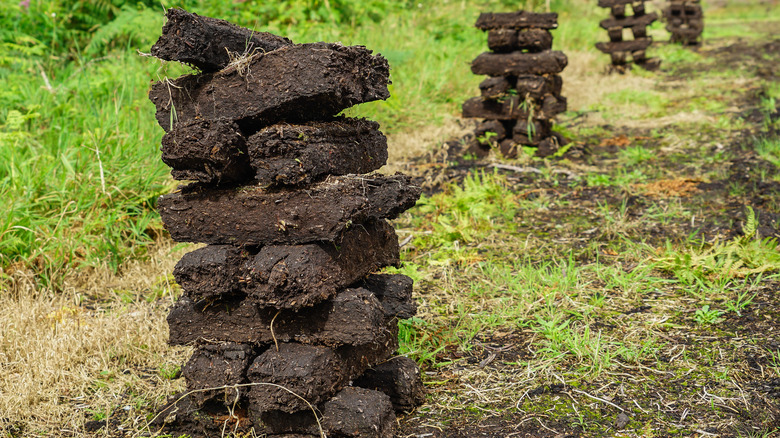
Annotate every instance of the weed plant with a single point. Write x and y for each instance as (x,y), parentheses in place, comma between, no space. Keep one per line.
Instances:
(708,265)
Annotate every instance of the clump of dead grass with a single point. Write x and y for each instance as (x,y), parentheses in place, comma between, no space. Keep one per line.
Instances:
(669,187)
(91,352)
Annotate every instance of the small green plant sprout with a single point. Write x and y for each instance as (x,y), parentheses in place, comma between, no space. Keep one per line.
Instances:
(774,360)
(739,304)
(636,155)
(98,414)
(706,316)
(169,372)
(487,138)
(531,129)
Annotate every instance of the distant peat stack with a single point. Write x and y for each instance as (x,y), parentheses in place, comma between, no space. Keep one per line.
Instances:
(685,21)
(294,331)
(624,51)
(522,94)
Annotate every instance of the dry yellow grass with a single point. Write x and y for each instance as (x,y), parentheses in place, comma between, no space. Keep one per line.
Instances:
(94,349)
(585,84)
(404,146)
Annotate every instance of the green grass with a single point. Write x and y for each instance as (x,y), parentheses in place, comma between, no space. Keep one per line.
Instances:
(79,173)
(739,19)
(769,149)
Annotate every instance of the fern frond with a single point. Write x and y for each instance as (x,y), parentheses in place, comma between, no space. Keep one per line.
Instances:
(751,223)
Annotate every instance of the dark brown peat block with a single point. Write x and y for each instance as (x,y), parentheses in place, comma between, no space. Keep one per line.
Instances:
(252,215)
(288,276)
(516,20)
(352,317)
(215,366)
(293,83)
(352,413)
(208,43)
(217,152)
(207,151)
(519,63)
(306,152)
(313,372)
(399,378)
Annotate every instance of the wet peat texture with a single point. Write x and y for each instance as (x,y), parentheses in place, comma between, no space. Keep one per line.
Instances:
(685,21)
(622,51)
(522,94)
(283,306)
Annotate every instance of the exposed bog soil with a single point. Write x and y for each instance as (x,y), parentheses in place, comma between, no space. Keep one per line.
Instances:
(706,379)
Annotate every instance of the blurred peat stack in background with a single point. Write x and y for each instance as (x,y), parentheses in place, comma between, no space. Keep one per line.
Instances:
(624,51)
(685,21)
(522,93)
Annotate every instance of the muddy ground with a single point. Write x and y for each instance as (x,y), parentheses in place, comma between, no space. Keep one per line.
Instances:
(712,380)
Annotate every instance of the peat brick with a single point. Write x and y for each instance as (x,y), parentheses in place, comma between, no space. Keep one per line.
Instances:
(204,42)
(211,271)
(611,3)
(502,40)
(355,316)
(507,40)
(217,365)
(535,129)
(400,379)
(232,319)
(519,63)
(625,46)
(293,83)
(394,292)
(508,148)
(352,413)
(315,373)
(490,132)
(547,147)
(254,216)
(215,151)
(538,87)
(516,20)
(509,109)
(686,36)
(289,276)
(643,20)
(534,40)
(182,416)
(207,151)
(358,412)
(304,153)
(495,87)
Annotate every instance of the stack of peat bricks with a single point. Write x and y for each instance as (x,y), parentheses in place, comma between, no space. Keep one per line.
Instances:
(685,21)
(522,94)
(294,333)
(619,49)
